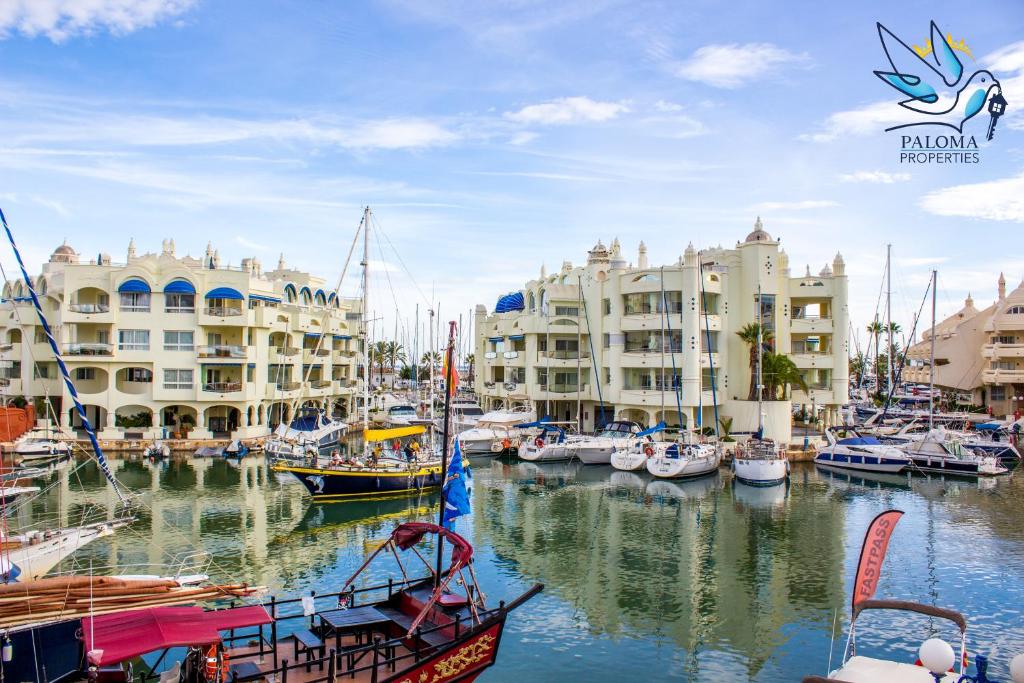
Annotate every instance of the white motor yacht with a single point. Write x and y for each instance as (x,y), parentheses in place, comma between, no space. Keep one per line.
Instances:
(937,452)
(466,412)
(31,449)
(598,449)
(400,415)
(862,453)
(494,430)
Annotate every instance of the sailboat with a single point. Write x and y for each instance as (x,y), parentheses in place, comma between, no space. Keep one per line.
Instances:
(760,461)
(392,461)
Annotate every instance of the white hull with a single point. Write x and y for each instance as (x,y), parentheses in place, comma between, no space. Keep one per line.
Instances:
(555,452)
(629,460)
(761,471)
(28,451)
(885,459)
(35,560)
(683,462)
(594,454)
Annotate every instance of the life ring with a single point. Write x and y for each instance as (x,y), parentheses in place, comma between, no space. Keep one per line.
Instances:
(211,663)
(648,451)
(539,442)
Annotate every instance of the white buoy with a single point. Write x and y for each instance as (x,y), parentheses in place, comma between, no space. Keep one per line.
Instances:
(1017,669)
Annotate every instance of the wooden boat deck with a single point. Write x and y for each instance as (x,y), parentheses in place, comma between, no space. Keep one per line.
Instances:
(316,674)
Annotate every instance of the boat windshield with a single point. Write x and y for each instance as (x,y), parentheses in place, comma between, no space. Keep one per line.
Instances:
(468,410)
(402,410)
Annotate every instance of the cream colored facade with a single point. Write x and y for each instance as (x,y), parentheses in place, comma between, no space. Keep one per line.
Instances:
(230,358)
(604,322)
(978,353)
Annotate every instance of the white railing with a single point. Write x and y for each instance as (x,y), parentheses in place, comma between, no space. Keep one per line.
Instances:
(221,351)
(90,308)
(223,311)
(89,349)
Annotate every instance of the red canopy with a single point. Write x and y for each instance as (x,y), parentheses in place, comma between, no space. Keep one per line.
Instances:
(410,533)
(124,635)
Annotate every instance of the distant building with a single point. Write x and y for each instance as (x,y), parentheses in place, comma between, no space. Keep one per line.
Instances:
(599,334)
(163,344)
(978,353)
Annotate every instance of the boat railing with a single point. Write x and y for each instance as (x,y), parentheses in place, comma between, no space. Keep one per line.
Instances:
(370,658)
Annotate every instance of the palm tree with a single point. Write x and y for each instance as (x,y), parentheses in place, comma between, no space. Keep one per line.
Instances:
(394,353)
(875,329)
(378,357)
(750,334)
(431,358)
(471,361)
(858,364)
(780,372)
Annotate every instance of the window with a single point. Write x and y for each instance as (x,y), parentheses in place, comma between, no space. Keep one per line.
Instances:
(42,371)
(607,376)
(138,375)
(1004,339)
(1015,310)
(85,373)
(177,303)
(606,306)
(178,340)
(133,340)
(177,378)
(250,373)
(997,393)
(1003,365)
(606,340)
(135,301)
(567,310)
(40,337)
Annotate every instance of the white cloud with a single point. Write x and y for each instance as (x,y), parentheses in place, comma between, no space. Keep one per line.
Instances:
(667,107)
(883,177)
(249,244)
(733,65)
(805,205)
(52,205)
(59,20)
(568,110)
(866,120)
(523,137)
(163,131)
(997,200)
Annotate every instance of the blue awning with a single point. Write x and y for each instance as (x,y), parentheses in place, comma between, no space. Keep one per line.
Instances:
(342,336)
(510,302)
(516,337)
(539,423)
(314,334)
(225,293)
(860,441)
(179,287)
(134,285)
(660,427)
(495,339)
(252,365)
(261,297)
(989,426)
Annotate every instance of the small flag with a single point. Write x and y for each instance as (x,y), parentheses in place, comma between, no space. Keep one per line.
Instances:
(451,377)
(456,489)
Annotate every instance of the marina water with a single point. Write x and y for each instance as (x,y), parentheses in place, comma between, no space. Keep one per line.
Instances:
(645,580)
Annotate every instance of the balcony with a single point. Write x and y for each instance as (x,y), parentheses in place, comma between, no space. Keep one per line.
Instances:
(1002,350)
(562,355)
(563,388)
(222,351)
(310,354)
(490,355)
(812,359)
(285,352)
(223,316)
(89,349)
(222,387)
(320,383)
(656,349)
(89,308)
(288,386)
(810,324)
(991,376)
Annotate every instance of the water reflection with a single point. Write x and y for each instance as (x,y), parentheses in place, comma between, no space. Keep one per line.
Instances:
(704,579)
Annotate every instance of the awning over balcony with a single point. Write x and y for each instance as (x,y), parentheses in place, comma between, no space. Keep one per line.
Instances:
(516,337)
(225,293)
(510,302)
(262,297)
(179,287)
(342,336)
(495,339)
(134,286)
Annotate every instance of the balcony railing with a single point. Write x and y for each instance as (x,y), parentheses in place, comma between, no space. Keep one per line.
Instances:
(511,354)
(317,352)
(89,308)
(320,383)
(222,387)
(490,355)
(223,311)
(289,386)
(563,354)
(286,350)
(652,386)
(811,318)
(6,347)
(633,347)
(89,349)
(562,388)
(221,351)
(812,351)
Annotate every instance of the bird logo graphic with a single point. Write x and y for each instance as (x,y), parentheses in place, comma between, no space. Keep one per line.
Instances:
(935,83)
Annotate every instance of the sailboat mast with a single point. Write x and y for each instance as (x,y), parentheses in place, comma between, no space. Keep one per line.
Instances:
(448,386)
(579,357)
(661,338)
(931,358)
(430,341)
(760,352)
(888,313)
(367,370)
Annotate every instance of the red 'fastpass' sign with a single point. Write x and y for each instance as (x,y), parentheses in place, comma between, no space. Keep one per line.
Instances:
(872,554)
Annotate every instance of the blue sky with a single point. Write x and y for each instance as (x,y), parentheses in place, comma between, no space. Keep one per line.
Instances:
(493,137)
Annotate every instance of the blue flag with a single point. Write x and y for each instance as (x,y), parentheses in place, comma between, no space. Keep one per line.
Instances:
(456,489)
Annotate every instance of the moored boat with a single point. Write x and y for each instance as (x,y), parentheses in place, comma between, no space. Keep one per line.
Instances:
(550,445)
(632,457)
(862,453)
(685,460)
(598,449)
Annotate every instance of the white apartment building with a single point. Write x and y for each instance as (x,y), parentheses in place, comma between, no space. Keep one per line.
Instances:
(979,354)
(598,334)
(163,345)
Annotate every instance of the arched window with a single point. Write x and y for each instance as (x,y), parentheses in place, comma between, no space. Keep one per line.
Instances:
(289,293)
(305,296)
(532,302)
(1015,310)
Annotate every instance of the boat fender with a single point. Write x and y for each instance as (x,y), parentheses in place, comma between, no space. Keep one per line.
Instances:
(211,663)
(648,451)
(225,667)
(495,447)
(506,443)
(538,442)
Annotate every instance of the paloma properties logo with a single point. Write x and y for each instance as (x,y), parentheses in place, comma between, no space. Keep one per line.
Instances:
(943,98)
